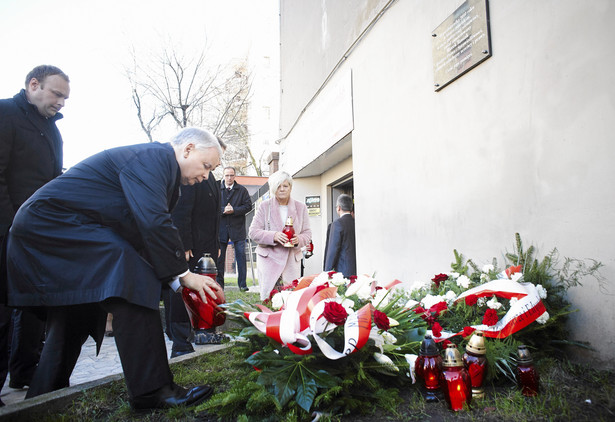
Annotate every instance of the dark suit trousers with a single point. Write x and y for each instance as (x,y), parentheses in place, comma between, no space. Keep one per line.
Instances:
(26,346)
(138,337)
(240,258)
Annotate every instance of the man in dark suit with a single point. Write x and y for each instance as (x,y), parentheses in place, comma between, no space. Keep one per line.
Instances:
(235,203)
(30,156)
(197,218)
(341,250)
(99,239)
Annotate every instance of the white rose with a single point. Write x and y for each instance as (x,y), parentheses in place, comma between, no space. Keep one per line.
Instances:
(419,285)
(277,301)
(463,281)
(542,292)
(494,304)
(338,280)
(362,287)
(321,279)
(487,268)
(542,319)
(348,305)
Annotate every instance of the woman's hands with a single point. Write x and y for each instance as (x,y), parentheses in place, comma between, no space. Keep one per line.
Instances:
(203,285)
(281,238)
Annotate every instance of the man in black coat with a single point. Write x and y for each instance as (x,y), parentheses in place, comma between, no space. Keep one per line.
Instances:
(30,156)
(197,218)
(99,239)
(341,249)
(235,203)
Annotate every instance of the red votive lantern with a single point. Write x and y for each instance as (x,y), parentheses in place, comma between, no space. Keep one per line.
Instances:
(476,363)
(527,375)
(289,231)
(428,368)
(204,315)
(455,381)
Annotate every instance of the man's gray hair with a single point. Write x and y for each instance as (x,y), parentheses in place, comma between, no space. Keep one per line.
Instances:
(276,179)
(201,138)
(344,202)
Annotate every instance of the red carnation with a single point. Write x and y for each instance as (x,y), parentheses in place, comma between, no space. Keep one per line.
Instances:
(467,331)
(436,329)
(490,318)
(438,307)
(381,320)
(273,293)
(438,278)
(445,343)
(352,278)
(335,313)
(471,300)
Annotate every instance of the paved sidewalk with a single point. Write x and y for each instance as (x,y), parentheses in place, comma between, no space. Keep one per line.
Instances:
(89,366)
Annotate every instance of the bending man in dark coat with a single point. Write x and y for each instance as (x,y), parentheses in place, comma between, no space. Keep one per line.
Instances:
(30,156)
(341,253)
(100,239)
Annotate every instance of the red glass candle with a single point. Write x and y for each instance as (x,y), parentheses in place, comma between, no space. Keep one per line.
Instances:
(476,363)
(204,315)
(455,381)
(289,231)
(428,367)
(527,376)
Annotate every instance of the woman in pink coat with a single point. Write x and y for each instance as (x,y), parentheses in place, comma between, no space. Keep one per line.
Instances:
(275,261)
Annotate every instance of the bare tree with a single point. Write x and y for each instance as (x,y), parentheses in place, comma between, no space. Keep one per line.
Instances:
(190,92)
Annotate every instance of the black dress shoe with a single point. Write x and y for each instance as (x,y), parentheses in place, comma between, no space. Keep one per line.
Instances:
(17,384)
(171,396)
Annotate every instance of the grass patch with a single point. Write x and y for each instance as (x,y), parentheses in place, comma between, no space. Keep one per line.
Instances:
(565,387)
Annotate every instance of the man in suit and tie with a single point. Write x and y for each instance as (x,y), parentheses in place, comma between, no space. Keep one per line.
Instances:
(235,203)
(341,249)
(30,156)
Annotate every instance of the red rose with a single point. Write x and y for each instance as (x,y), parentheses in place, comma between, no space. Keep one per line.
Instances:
(490,318)
(352,278)
(436,329)
(381,320)
(471,300)
(467,331)
(438,278)
(273,293)
(335,313)
(438,307)
(445,343)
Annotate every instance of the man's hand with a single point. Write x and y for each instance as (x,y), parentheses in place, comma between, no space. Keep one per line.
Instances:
(189,254)
(203,285)
(228,209)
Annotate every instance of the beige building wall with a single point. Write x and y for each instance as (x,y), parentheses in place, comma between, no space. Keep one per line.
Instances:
(522,143)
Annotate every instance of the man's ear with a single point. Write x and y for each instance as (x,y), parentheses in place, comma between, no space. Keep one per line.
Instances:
(34,84)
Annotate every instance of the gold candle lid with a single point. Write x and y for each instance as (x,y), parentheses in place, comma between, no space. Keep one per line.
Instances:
(476,344)
(289,221)
(452,357)
(523,354)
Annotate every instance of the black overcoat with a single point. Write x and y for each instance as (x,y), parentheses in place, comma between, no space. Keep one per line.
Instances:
(233,226)
(103,229)
(197,218)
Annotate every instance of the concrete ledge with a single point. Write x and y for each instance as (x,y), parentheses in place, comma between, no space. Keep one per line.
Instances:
(57,401)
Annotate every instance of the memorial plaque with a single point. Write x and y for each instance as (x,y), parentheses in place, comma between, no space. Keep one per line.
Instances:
(461,42)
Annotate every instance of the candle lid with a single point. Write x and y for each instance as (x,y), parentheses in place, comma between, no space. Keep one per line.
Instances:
(476,344)
(452,357)
(289,221)
(523,354)
(428,346)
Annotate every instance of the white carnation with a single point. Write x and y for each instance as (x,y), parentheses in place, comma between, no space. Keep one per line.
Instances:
(542,292)
(487,268)
(362,287)
(419,285)
(494,304)
(430,300)
(338,280)
(481,301)
(279,299)
(484,278)
(450,297)
(542,319)
(463,281)
(454,275)
(321,279)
